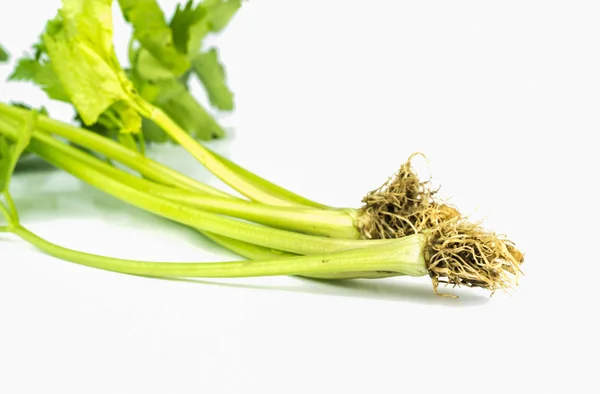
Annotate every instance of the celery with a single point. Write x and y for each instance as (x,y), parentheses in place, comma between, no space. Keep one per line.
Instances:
(402,257)
(76,63)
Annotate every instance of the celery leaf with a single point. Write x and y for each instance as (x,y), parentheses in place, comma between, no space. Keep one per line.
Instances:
(3,54)
(155,35)
(176,100)
(221,12)
(211,17)
(183,19)
(40,72)
(212,75)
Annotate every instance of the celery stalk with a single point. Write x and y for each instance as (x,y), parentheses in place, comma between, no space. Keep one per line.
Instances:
(401,257)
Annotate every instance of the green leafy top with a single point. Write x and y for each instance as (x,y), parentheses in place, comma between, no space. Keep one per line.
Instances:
(75,62)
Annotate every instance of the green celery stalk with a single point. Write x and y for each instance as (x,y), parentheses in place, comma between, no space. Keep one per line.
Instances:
(335,224)
(249,184)
(205,221)
(401,257)
(109,148)
(332,223)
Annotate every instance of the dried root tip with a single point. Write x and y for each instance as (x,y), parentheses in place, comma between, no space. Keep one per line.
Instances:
(463,254)
(404,205)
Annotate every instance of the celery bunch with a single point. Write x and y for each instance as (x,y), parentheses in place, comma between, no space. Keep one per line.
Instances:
(400,230)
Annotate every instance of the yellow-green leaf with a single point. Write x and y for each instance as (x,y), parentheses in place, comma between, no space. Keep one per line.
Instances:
(79,45)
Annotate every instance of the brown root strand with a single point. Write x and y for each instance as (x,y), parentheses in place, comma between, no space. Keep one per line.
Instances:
(403,206)
(460,253)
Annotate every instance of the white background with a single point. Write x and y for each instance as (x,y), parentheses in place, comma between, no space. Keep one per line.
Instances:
(502,96)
